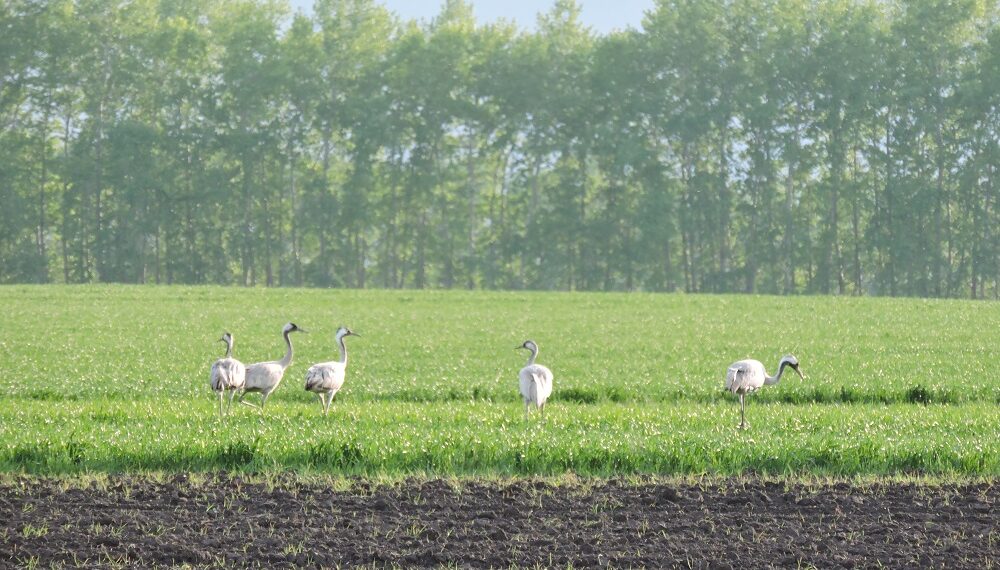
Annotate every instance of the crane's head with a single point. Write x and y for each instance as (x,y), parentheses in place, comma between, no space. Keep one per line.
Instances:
(791,362)
(344,331)
(292,327)
(528,345)
(226,338)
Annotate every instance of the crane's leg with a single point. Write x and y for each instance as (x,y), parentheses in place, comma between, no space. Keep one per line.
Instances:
(222,396)
(526,406)
(320,396)
(743,414)
(263,399)
(245,403)
(230,405)
(326,404)
(541,410)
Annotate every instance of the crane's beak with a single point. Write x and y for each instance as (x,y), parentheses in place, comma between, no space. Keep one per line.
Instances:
(302,331)
(799,372)
(352,333)
(222,340)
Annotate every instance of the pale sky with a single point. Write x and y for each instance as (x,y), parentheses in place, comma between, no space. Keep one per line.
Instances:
(601,15)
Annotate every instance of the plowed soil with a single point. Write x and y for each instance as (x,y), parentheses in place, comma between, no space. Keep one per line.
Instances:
(232,522)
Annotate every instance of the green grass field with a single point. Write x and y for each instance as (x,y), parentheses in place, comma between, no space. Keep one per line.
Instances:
(112,378)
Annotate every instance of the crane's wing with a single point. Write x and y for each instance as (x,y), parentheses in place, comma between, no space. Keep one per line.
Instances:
(738,376)
(325,376)
(228,373)
(527,382)
(543,385)
(217,377)
(543,377)
(536,383)
(263,375)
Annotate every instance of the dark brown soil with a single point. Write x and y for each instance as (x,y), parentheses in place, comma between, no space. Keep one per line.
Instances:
(231,522)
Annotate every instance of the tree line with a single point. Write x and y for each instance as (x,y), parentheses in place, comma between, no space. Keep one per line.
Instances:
(773,146)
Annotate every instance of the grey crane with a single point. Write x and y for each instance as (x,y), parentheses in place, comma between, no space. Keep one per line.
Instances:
(747,376)
(536,381)
(228,374)
(264,377)
(325,379)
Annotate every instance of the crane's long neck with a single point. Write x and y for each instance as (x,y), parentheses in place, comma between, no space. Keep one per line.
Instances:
(229,348)
(534,354)
(770,380)
(287,360)
(343,348)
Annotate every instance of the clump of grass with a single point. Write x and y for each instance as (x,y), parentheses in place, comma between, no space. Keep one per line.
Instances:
(576,395)
(235,455)
(336,455)
(918,395)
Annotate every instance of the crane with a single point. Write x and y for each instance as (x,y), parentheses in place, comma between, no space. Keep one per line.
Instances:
(746,376)
(536,381)
(326,378)
(264,377)
(228,374)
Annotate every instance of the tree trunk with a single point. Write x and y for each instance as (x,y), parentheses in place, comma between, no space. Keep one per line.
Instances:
(268,223)
(789,237)
(361,246)
(43,180)
(833,261)
(296,244)
(889,199)
(98,182)
(989,240)
(156,256)
(752,249)
(389,278)
(725,200)
(64,233)
(686,234)
(279,229)
(837,265)
(246,248)
(421,276)
(856,223)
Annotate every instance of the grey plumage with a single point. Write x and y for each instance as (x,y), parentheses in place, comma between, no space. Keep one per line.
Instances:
(747,376)
(535,381)
(325,379)
(228,374)
(264,377)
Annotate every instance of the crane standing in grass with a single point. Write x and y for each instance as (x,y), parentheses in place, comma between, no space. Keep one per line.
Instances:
(264,377)
(746,376)
(228,374)
(326,378)
(536,381)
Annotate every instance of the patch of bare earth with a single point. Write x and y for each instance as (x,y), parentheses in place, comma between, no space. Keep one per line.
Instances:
(232,522)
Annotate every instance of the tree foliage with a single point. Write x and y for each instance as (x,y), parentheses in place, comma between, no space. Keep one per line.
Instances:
(772,146)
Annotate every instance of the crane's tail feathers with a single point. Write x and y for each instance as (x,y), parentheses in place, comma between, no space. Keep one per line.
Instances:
(735,384)
(538,382)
